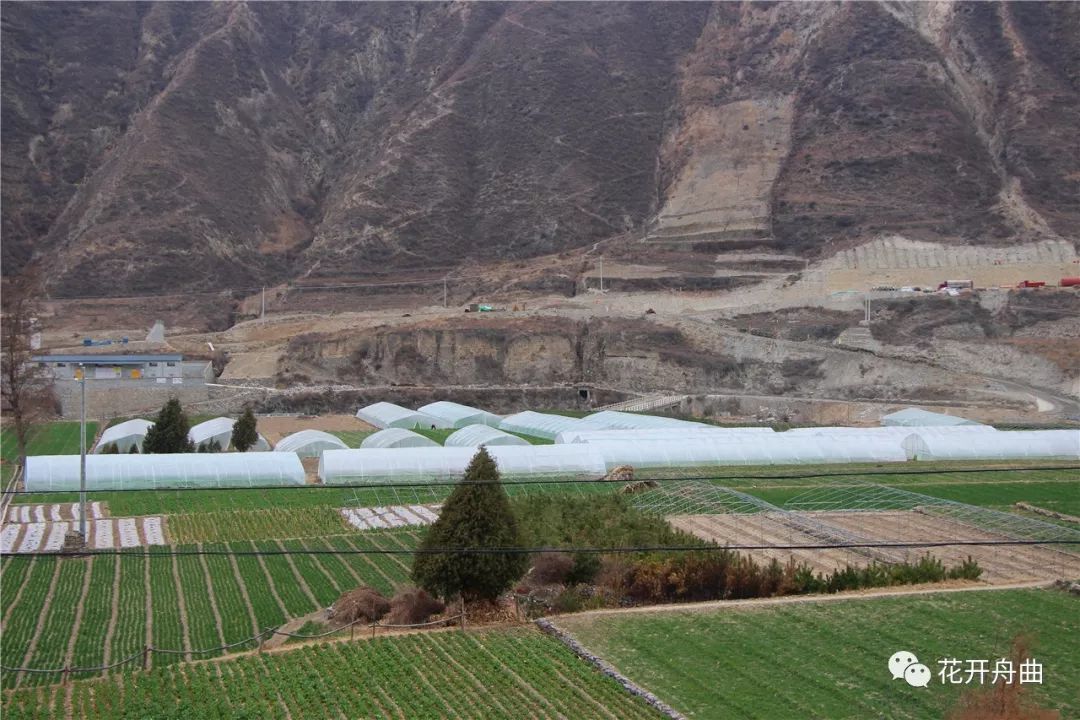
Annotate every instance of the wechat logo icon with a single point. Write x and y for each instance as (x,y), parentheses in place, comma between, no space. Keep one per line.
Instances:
(905,665)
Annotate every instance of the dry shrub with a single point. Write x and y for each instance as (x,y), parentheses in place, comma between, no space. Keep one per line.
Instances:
(550,569)
(413,606)
(363,603)
(1002,701)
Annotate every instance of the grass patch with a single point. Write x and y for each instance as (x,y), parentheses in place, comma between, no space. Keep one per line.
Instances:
(352,438)
(439,435)
(832,656)
(55,438)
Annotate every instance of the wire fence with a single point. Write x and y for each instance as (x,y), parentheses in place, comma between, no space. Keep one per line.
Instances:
(143,656)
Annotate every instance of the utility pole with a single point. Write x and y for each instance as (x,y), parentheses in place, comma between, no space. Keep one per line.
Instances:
(601,274)
(262,313)
(82,457)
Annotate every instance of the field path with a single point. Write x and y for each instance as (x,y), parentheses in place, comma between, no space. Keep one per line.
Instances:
(378,570)
(318,563)
(480,689)
(42,616)
(80,606)
(149,613)
(926,589)
(182,607)
(525,685)
(213,595)
(270,583)
(244,594)
(114,612)
(299,578)
(18,593)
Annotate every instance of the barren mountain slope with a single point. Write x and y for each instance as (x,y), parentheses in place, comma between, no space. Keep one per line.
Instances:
(205,146)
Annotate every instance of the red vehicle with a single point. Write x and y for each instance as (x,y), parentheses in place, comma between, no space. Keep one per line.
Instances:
(1031,284)
(1070,282)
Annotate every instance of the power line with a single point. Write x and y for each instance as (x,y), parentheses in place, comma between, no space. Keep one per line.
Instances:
(544,549)
(565,481)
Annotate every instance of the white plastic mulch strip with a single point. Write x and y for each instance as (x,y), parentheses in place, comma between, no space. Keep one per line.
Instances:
(55,540)
(153,532)
(103,533)
(54,513)
(32,540)
(129,534)
(372,519)
(409,516)
(95,510)
(75,511)
(425,513)
(39,513)
(353,518)
(24,514)
(7,538)
(387,515)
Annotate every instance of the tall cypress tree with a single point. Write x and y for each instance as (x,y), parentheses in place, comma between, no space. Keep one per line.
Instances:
(169,433)
(476,515)
(245,432)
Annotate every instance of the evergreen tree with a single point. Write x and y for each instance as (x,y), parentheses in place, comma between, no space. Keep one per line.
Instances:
(244,432)
(134,450)
(110,449)
(476,515)
(169,433)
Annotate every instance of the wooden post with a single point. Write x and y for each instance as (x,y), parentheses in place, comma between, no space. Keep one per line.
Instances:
(145,657)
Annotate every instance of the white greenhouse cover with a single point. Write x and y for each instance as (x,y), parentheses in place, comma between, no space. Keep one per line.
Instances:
(125,434)
(149,472)
(397,438)
(542,425)
(261,445)
(444,463)
(1005,445)
(891,431)
(915,416)
(384,415)
(616,420)
(310,443)
(219,429)
(750,449)
(459,415)
(663,433)
(477,435)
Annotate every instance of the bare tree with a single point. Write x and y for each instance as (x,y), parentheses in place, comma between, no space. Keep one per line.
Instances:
(26,389)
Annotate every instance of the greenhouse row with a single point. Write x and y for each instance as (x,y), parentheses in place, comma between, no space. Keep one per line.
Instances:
(310,443)
(483,435)
(132,433)
(384,415)
(46,473)
(395,437)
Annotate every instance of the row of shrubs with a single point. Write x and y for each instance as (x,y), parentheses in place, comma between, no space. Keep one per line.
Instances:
(715,575)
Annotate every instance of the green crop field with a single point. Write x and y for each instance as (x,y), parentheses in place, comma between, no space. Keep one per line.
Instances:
(56,438)
(829,659)
(352,438)
(510,674)
(193,602)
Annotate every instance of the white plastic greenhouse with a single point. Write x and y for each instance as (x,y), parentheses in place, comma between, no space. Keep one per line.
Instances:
(219,429)
(1005,445)
(150,472)
(664,433)
(397,438)
(540,425)
(339,467)
(459,415)
(384,415)
(477,435)
(261,445)
(750,449)
(125,435)
(891,431)
(615,420)
(924,418)
(310,443)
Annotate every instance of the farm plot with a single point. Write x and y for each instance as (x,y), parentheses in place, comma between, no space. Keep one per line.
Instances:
(832,655)
(1000,564)
(56,438)
(390,517)
(101,534)
(84,612)
(493,674)
(53,512)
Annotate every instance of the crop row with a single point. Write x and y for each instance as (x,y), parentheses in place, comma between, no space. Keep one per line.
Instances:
(493,674)
(191,602)
(259,524)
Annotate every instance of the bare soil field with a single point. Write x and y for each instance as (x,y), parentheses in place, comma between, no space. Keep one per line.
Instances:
(1001,564)
(275,427)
